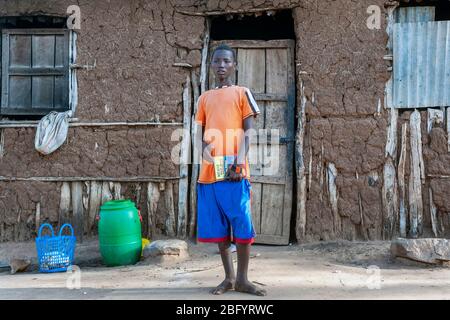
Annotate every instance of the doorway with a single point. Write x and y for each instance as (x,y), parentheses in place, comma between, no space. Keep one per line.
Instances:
(265,52)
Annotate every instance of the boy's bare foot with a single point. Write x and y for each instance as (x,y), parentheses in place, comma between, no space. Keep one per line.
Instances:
(248,287)
(225,286)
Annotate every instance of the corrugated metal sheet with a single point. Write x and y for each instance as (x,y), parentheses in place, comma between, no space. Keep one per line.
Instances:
(414,14)
(421,64)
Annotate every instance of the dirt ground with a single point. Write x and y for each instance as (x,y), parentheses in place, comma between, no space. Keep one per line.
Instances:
(326,270)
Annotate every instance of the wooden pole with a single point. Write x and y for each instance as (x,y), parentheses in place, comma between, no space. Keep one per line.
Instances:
(183,184)
(401,181)
(153,196)
(170,217)
(78,212)
(415,179)
(300,167)
(194,158)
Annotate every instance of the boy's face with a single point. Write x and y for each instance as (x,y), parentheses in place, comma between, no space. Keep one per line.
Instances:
(223,64)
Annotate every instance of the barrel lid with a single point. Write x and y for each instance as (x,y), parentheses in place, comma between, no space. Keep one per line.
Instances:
(117,204)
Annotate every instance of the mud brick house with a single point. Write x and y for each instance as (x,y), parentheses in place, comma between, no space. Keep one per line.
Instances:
(363,113)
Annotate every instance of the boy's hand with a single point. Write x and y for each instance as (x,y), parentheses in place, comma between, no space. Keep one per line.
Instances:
(207,152)
(234,173)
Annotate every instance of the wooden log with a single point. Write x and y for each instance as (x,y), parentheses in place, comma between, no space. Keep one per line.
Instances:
(185,154)
(195,157)
(204,65)
(153,196)
(271,11)
(86,193)
(106,192)
(38,216)
(391,143)
(182,64)
(415,179)
(78,212)
(170,217)
(300,167)
(117,190)
(64,204)
(95,200)
(401,181)
(2,143)
(390,201)
(433,214)
(333,197)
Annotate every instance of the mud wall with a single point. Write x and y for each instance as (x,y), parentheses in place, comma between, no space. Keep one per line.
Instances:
(134,45)
(339,63)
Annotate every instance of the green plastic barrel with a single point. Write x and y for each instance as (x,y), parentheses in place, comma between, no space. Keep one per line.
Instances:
(119,233)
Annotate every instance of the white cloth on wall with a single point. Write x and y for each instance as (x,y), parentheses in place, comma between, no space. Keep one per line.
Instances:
(52,131)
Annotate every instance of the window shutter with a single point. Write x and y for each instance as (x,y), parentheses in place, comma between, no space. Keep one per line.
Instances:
(421,64)
(35,71)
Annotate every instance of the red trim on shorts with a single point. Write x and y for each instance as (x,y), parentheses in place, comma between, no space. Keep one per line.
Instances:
(244,241)
(228,238)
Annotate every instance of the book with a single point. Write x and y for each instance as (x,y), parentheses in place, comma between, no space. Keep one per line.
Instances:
(219,167)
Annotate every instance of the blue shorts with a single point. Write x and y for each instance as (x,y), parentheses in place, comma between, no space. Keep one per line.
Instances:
(222,206)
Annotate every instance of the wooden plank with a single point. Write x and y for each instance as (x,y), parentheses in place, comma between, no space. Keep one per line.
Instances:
(106,192)
(184,160)
(433,214)
(252,71)
(42,91)
(20,47)
(269,97)
(272,198)
(415,181)
(95,199)
(300,225)
(255,44)
(196,155)
(153,196)
(170,217)
(391,144)
(38,216)
(401,181)
(19,88)
(256,206)
(269,180)
(77,210)
(43,54)
(64,204)
(333,197)
(389,191)
(116,186)
(271,239)
(2,143)
(85,200)
(204,71)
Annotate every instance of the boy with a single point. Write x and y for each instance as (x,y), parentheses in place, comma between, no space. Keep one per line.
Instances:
(223,188)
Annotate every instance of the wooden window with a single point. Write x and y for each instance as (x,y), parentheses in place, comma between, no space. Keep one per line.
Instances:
(35,71)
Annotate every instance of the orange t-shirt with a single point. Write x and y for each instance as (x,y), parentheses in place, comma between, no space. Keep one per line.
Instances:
(222,111)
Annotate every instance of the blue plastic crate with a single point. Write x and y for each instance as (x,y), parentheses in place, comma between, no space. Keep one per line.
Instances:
(55,253)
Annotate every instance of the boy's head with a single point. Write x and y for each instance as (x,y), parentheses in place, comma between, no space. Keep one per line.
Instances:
(223,62)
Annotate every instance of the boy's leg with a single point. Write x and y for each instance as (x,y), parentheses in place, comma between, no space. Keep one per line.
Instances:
(227,261)
(242,283)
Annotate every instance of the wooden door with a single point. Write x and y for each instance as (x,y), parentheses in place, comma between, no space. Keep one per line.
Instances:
(267,69)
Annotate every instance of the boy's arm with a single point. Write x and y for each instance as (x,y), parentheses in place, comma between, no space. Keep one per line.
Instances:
(239,162)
